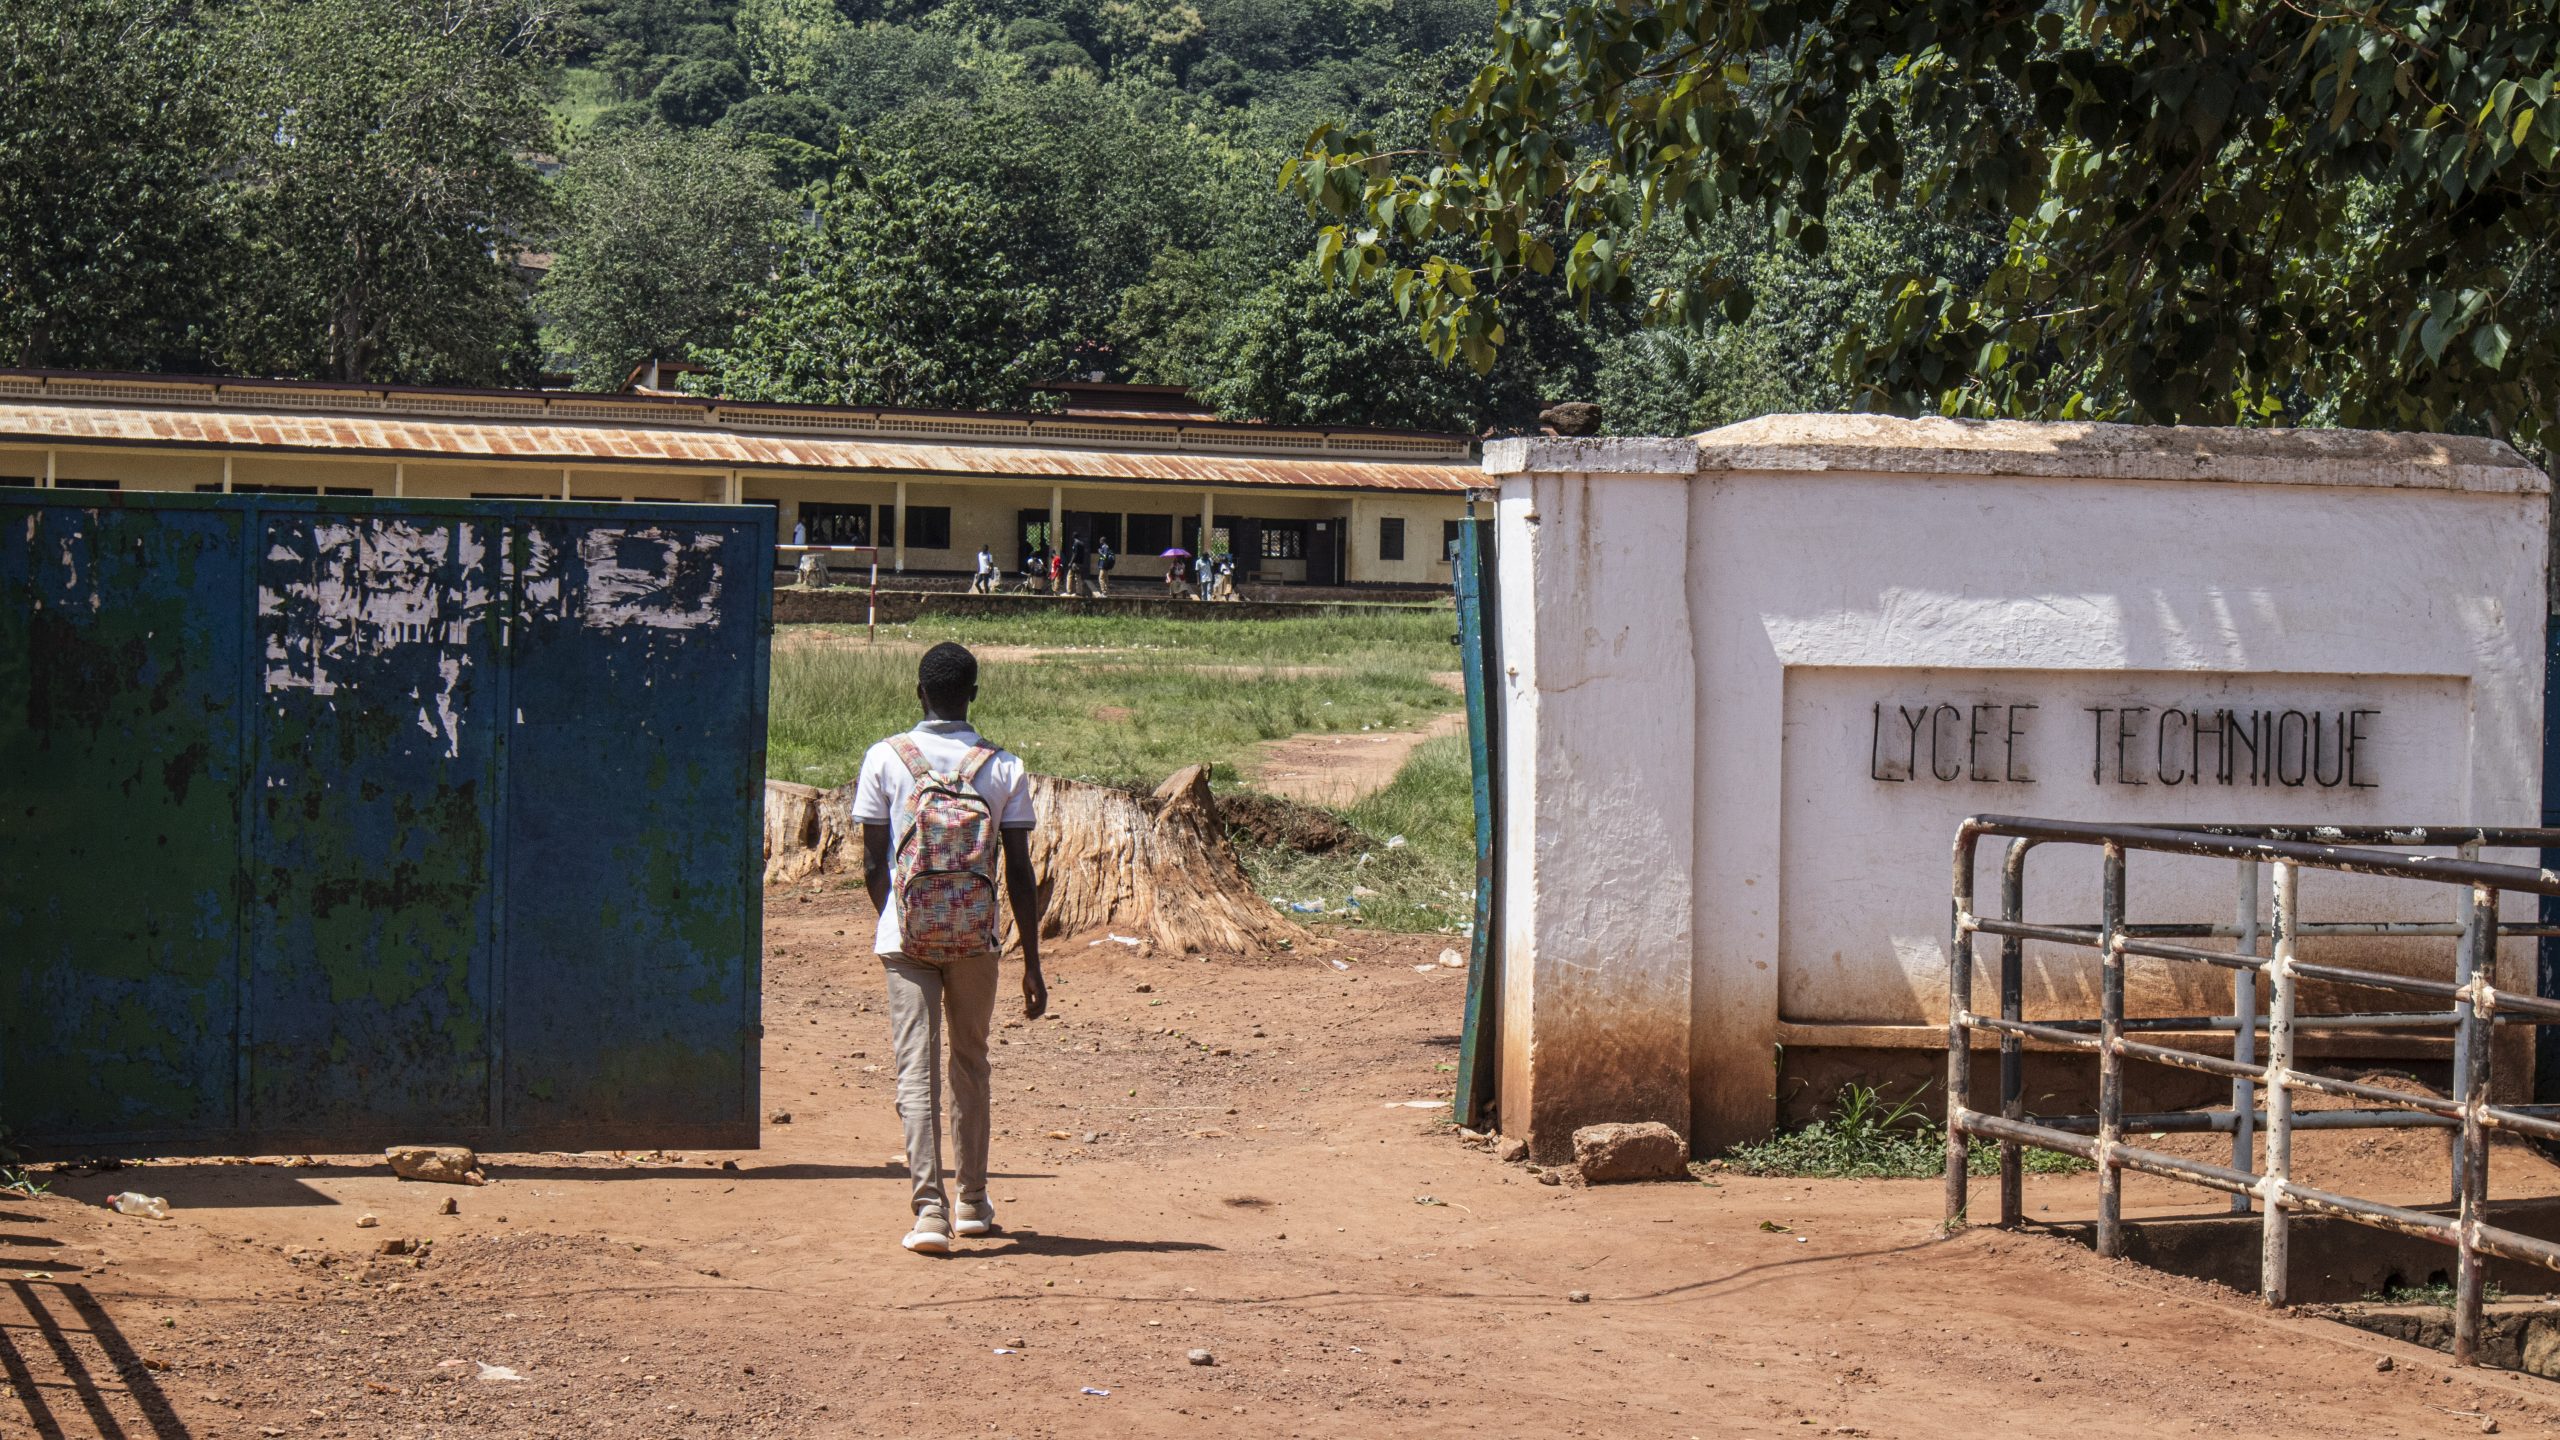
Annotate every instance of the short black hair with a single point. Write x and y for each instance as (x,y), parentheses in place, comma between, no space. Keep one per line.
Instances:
(948,676)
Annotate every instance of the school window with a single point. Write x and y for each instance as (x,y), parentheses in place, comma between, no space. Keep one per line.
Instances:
(1280,544)
(1150,534)
(88,484)
(827,523)
(1449,540)
(928,527)
(1391,537)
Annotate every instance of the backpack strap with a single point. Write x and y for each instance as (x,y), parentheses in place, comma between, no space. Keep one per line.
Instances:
(971,763)
(906,751)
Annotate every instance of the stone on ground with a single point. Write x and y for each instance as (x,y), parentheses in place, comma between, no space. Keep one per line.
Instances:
(1647,1150)
(444,1164)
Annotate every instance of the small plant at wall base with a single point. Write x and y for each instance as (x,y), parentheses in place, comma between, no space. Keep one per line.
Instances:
(1867,1137)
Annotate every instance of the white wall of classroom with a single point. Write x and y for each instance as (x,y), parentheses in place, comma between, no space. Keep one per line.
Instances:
(980,511)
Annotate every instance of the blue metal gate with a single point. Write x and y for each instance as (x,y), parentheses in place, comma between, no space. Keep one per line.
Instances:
(334,823)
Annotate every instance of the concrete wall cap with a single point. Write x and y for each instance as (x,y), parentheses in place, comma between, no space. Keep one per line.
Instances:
(1581,455)
(1880,444)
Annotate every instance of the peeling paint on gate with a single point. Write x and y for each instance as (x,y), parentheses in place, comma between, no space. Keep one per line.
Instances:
(335,822)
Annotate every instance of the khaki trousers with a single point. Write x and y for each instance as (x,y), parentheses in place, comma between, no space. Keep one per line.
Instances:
(926,999)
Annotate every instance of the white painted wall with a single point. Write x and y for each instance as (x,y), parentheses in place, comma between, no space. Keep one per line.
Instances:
(1760,639)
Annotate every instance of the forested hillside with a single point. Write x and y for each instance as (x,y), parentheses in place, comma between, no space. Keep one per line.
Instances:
(1004,191)
(905,203)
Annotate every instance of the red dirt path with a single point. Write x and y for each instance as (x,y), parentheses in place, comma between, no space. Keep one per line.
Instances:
(1248,1193)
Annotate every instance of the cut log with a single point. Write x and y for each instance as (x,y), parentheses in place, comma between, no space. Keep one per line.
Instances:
(1158,868)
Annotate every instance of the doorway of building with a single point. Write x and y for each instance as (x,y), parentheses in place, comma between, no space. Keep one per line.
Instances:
(1324,551)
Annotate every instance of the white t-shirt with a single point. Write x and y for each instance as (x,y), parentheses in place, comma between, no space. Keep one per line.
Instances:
(880,797)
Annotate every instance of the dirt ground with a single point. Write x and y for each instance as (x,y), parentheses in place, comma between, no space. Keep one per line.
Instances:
(1192,1155)
(1342,768)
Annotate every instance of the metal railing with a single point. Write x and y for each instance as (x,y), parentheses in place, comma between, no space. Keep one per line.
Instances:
(2262,1091)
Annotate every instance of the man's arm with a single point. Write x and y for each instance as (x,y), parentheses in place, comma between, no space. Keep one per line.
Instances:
(875,865)
(1022,889)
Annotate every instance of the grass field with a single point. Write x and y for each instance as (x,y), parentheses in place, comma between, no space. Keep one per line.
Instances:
(1127,701)
(1111,699)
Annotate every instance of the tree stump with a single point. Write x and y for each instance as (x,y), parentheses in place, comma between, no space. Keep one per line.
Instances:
(1158,868)
(808,831)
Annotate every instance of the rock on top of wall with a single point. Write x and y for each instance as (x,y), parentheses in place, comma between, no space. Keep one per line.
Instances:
(1881,444)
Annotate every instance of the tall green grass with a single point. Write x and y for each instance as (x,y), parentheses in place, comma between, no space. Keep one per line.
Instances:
(1425,884)
(1149,697)
(1868,1137)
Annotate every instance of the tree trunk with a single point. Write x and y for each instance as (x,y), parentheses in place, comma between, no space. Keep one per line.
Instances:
(808,831)
(1158,869)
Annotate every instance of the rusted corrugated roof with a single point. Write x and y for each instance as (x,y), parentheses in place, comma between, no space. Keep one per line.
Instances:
(424,438)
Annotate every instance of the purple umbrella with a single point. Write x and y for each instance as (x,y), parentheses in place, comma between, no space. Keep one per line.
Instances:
(1177,553)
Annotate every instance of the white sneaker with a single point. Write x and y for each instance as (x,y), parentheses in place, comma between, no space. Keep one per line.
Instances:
(978,1219)
(929,1237)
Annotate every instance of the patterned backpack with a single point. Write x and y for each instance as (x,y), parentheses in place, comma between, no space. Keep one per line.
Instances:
(946,877)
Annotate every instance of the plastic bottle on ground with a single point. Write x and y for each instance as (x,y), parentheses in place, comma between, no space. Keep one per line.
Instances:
(150,1207)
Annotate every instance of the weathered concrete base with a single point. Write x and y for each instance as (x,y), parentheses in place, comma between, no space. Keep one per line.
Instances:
(1810,1080)
(2522,1337)
(2335,1262)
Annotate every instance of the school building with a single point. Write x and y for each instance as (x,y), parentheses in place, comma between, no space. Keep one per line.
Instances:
(924,488)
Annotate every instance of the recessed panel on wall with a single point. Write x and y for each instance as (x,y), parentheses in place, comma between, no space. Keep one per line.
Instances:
(1879,765)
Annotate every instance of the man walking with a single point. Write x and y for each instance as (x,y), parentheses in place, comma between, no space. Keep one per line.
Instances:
(1079,567)
(937,805)
(985,581)
(1104,557)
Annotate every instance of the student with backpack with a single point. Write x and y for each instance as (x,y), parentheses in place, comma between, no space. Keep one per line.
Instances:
(1104,557)
(937,806)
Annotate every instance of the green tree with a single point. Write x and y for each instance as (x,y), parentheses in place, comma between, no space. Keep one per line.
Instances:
(784,40)
(665,237)
(698,92)
(2263,210)
(904,293)
(1302,352)
(379,184)
(1097,178)
(107,238)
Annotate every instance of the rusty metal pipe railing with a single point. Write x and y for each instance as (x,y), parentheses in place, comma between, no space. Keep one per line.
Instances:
(2262,1088)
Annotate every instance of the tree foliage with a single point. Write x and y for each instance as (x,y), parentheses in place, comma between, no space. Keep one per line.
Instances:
(379,186)
(107,131)
(667,235)
(2267,210)
(904,293)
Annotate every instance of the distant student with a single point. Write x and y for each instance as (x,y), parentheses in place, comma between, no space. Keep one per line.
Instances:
(799,532)
(1174,570)
(984,582)
(937,806)
(1057,572)
(1204,570)
(1226,577)
(1079,567)
(1104,557)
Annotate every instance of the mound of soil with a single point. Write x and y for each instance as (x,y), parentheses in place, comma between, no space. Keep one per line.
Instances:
(1269,822)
